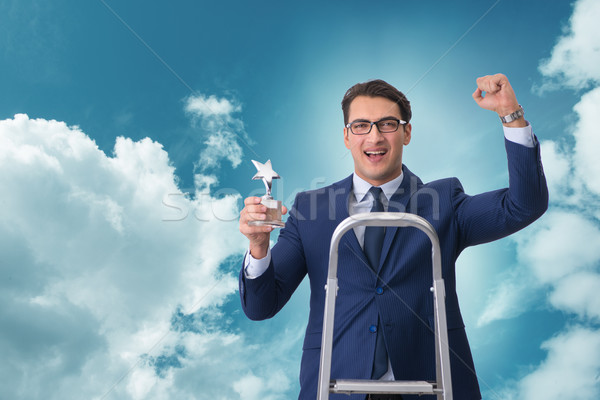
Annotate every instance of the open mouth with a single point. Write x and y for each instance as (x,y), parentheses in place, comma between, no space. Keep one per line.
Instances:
(375,154)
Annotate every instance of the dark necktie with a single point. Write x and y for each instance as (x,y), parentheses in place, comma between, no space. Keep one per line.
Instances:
(372,245)
(374,234)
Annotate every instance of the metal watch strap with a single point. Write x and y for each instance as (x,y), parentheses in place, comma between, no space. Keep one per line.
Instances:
(514,116)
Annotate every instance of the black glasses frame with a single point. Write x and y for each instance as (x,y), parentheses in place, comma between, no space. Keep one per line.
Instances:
(399,121)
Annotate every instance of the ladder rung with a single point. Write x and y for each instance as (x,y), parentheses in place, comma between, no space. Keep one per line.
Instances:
(349,386)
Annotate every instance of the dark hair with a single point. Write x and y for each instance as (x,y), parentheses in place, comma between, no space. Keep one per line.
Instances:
(376,88)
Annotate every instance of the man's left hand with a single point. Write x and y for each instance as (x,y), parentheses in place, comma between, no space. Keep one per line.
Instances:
(499,97)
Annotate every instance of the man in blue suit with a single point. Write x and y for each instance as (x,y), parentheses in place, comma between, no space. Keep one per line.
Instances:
(384,308)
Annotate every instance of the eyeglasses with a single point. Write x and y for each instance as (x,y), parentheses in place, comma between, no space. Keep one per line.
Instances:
(385,125)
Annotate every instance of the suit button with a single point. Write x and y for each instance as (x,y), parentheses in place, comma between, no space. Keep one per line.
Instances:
(373,328)
(379,290)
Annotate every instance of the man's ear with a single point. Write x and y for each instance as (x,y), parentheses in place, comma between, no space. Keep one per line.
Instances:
(407,133)
(346,138)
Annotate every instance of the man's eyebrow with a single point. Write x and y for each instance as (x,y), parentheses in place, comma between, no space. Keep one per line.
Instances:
(380,119)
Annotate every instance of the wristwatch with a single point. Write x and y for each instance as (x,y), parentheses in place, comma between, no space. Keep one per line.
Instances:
(514,116)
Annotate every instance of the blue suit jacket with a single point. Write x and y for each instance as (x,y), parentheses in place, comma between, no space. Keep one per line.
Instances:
(405,306)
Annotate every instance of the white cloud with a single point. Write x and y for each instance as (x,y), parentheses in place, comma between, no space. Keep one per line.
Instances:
(220,145)
(558,259)
(561,244)
(251,387)
(511,298)
(570,371)
(222,365)
(224,131)
(559,256)
(98,254)
(557,167)
(578,293)
(576,56)
(141,382)
(587,162)
(210,106)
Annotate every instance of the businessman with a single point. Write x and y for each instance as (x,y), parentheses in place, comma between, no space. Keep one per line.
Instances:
(384,308)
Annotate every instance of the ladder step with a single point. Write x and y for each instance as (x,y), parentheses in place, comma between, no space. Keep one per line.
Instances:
(349,386)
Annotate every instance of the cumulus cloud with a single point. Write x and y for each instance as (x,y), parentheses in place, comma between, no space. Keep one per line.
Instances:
(587,162)
(557,167)
(576,56)
(578,293)
(561,244)
(570,371)
(557,256)
(208,106)
(113,280)
(224,131)
(251,387)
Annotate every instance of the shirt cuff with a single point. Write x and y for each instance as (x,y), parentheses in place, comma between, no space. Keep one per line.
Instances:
(253,268)
(523,136)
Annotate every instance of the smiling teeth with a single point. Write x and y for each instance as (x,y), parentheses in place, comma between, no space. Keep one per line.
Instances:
(375,152)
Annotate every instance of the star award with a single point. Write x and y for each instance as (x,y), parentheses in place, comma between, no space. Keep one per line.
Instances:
(266,173)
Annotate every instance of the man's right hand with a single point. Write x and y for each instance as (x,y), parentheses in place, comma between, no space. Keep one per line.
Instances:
(258,235)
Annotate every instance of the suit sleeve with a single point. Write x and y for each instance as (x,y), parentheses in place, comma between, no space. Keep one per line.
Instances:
(496,214)
(265,295)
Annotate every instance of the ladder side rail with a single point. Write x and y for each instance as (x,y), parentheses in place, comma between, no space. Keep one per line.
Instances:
(442,347)
(327,339)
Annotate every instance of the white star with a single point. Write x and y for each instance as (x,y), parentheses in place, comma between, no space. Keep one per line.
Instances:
(266,173)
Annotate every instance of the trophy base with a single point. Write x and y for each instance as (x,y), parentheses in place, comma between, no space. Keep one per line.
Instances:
(274,224)
(273,214)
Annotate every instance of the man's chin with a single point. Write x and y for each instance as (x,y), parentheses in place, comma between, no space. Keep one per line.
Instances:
(377,178)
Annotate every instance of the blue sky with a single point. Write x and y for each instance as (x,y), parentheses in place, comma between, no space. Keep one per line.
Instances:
(126,134)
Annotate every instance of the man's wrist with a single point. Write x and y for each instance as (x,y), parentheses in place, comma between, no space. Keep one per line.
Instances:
(253,267)
(258,252)
(514,118)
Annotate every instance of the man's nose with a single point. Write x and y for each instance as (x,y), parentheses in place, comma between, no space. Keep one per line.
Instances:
(375,135)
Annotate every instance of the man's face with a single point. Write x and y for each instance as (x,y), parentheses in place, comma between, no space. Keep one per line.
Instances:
(377,156)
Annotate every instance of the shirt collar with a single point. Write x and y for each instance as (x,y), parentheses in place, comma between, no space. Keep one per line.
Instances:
(361,187)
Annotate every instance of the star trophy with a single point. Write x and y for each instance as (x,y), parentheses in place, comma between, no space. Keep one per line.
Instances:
(266,173)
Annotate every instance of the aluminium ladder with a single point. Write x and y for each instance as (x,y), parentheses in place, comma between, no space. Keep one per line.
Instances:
(442,387)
